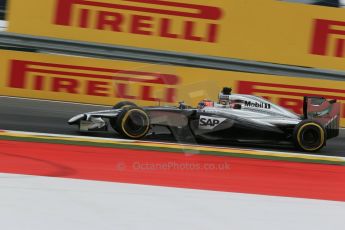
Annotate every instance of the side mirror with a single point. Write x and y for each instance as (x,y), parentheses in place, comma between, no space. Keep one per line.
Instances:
(181,105)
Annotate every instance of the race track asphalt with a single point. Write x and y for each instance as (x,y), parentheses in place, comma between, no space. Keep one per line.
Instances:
(51,117)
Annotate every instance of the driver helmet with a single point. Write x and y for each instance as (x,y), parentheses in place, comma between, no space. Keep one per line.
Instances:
(224,96)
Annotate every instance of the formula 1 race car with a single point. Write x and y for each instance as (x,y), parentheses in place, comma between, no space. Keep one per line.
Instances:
(233,118)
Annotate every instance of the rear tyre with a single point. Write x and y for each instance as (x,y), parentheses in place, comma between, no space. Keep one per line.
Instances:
(309,136)
(133,122)
(120,105)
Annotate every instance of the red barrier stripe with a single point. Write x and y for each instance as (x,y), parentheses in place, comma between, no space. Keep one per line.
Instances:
(122,165)
(20,68)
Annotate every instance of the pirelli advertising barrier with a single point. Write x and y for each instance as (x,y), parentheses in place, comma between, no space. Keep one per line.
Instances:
(266,30)
(107,82)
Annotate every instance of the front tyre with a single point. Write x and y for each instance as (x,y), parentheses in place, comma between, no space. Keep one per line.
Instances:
(120,105)
(309,136)
(123,104)
(133,122)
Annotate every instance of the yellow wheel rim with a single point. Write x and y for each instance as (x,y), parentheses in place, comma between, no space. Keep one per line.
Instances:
(124,122)
(322,136)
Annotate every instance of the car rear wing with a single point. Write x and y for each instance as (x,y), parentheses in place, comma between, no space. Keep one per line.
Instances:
(326,112)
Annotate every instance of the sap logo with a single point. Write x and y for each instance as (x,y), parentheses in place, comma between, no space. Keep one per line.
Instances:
(209,122)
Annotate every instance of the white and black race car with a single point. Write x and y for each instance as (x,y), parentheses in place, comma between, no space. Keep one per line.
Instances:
(234,117)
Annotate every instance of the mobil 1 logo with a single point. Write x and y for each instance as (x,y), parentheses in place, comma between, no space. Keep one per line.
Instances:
(209,122)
